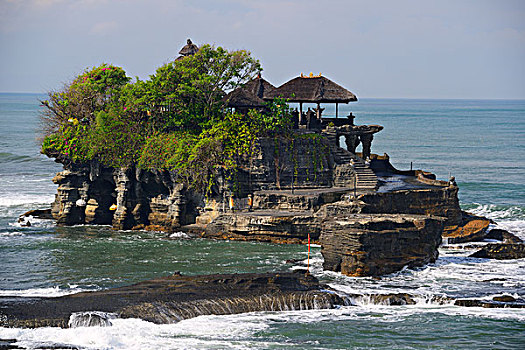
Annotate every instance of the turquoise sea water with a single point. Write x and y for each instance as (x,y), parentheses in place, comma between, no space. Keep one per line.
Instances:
(481,143)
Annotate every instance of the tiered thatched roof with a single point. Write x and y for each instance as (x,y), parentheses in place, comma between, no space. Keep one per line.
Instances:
(251,94)
(312,89)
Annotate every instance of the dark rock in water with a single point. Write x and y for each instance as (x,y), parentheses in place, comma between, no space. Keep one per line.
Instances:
(501,251)
(38,213)
(504,298)
(393,299)
(171,299)
(8,344)
(294,261)
(517,304)
(495,280)
(503,235)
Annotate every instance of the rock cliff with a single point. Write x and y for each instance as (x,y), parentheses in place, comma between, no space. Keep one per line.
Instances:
(291,189)
(378,244)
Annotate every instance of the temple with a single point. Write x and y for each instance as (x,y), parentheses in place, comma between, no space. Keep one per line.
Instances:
(312,89)
(369,217)
(189,49)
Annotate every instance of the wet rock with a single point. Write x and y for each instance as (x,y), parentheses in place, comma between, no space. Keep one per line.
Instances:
(503,235)
(294,261)
(518,304)
(8,344)
(392,299)
(377,244)
(471,229)
(38,213)
(90,319)
(171,299)
(504,298)
(501,251)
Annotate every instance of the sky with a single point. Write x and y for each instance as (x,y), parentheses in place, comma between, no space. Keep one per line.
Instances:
(376,48)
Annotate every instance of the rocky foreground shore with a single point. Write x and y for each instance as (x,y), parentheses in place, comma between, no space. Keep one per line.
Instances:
(171,299)
(178,297)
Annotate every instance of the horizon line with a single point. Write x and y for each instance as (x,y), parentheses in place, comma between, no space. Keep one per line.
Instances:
(361,98)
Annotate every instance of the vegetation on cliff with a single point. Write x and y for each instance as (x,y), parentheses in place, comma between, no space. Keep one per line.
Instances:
(175,120)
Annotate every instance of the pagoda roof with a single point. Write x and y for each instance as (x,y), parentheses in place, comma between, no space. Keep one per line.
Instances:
(189,49)
(312,89)
(251,94)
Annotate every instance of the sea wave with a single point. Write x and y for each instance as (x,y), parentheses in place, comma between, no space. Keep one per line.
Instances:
(14,199)
(33,222)
(496,212)
(246,331)
(6,157)
(50,292)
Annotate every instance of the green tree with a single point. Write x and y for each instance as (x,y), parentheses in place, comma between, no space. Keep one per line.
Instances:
(187,94)
(92,91)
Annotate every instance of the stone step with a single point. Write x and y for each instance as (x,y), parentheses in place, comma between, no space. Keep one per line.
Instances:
(366,179)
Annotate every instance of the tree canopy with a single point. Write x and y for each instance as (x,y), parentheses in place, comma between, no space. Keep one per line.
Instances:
(175,120)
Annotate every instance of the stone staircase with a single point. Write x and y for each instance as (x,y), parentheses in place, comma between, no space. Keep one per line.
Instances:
(366,179)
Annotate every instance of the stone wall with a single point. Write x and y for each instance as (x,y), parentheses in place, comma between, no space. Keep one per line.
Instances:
(304,162)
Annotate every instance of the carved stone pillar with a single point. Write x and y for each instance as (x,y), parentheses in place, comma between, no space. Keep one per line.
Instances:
(366,139)
(352,141)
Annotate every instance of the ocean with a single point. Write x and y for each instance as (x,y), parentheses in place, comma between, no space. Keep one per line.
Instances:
(479,142)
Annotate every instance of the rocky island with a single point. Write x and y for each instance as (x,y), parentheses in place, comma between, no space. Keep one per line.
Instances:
(178,153)
(246,167)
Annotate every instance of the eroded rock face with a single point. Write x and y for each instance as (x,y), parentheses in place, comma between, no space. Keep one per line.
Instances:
(438,201)
(265,226)
(124,198)
(171,299)
(471,229)
(128,198)
(377,244)
(306,162)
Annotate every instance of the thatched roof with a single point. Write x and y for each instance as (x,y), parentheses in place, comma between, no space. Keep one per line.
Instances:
(312,89)
(251,94)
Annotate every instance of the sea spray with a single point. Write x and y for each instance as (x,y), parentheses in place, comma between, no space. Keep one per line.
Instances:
(172,312)
(90,319)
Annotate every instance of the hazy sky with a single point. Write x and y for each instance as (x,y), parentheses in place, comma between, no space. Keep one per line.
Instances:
(407,49)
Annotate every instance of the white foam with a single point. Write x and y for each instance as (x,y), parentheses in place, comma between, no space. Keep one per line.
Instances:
(17,199)
(496,212)
(204,331)
(516,227)
(11,233)
(35,222)
(179,234)
(229,331)
(50,292)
